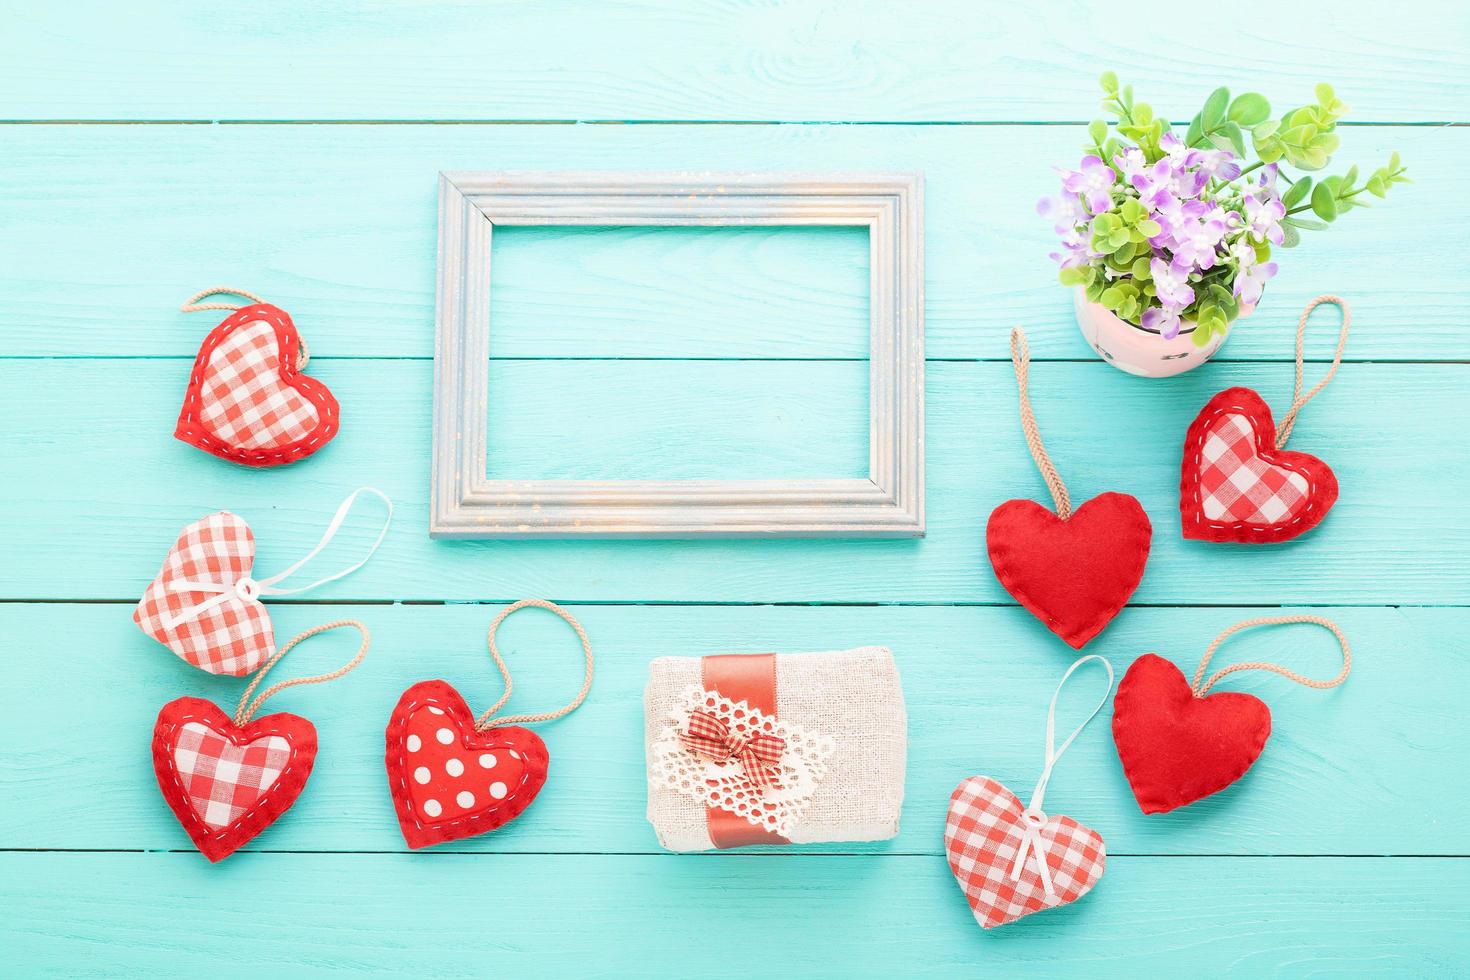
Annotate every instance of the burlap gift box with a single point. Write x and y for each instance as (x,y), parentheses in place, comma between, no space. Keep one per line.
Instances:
(840,718)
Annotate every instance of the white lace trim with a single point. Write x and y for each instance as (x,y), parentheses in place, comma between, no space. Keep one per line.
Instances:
(725,785)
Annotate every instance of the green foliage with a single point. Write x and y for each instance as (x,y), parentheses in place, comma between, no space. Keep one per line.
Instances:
(1119,274)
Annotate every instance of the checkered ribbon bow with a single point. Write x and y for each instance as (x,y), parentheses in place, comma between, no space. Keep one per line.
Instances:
(759,755)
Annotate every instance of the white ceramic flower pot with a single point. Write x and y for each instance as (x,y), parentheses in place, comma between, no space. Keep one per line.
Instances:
(1138,351)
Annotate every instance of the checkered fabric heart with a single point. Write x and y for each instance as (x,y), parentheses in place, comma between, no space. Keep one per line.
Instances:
(226,782)
(1236,484)
(247,400)
(233,636)
(986,829)
(223,779)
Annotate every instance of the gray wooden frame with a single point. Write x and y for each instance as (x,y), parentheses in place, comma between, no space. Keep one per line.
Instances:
(466,503)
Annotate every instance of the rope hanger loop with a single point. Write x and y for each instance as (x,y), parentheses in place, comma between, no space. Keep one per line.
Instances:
(1200,690)
(1021,358)
(488,719)
(247,708)
(1298,400)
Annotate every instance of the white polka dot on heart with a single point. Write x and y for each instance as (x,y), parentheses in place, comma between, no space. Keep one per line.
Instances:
(498,790)
(444,735)
(415,743)
(487,761)
(454,767)
(432,808)
(421,775)
(465,800)
(435,711)
(514,754)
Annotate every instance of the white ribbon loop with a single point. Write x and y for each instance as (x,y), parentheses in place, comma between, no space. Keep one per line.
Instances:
(1034,819)
(248,589)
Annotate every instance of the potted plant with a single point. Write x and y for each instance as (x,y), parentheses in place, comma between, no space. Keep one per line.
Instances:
(1167,240)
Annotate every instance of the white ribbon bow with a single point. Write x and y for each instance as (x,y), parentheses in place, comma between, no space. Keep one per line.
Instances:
(248,589)
(1033,819)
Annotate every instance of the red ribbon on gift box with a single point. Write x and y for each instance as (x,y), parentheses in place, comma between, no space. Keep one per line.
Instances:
(759,755)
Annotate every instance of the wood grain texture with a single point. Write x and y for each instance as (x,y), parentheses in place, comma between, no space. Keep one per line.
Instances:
(629,915)
(942,60)
(976,684)
(108,228)
(1390,432)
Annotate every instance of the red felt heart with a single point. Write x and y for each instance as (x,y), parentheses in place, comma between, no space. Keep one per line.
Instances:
(247,400)
(1075,574)
(226,783)
(1235,485)
(1177,748)
(449,781)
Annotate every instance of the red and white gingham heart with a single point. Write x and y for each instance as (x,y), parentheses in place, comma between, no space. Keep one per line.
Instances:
(247,399)
(232,636)
(204,605)
(985,831)
(1012,860)
(1236,484)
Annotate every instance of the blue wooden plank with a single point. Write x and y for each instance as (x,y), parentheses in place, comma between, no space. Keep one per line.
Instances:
(107,229)
(609,915)
(1352,766)
(677,59)
(1389,431)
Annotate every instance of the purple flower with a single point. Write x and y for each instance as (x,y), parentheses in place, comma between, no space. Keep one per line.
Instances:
(1219,164)
(1130,162)
(1094,182)
(1171,283)
(1165,177)
(1166,322)
(1074,251)
(1251,280)
(1196,231)
(1064,210)
(1266,179)
(1175,150)
(1263,219)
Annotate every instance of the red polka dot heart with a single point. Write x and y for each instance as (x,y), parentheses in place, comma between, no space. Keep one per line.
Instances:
(450,781)
(453,776)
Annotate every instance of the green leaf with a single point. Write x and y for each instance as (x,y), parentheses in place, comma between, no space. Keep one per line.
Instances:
(1232,132)
(1376,186)
(1141,271)
(1393,162)
(1213,113)
(1201,334)
(1296,193)
(1325,96)
(1112,297)
(1290,237)
(1196,131)
(1306,224)
(1349,178)
(1149,227)
(1249,109)
(1266,129)
(1097,131)
(1109,82)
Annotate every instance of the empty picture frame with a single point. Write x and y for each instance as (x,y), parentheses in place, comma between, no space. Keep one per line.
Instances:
(467,503)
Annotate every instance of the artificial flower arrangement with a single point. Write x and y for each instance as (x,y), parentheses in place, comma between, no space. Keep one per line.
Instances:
(1170,233)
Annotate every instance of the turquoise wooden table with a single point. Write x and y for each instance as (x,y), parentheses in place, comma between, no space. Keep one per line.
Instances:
(149,150)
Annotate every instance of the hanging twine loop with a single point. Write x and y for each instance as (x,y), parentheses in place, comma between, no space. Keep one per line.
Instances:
(1021,358)
(1200,690)
(1034,820)
(192,305)
(247,708)
(1298,400)
(488,719)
